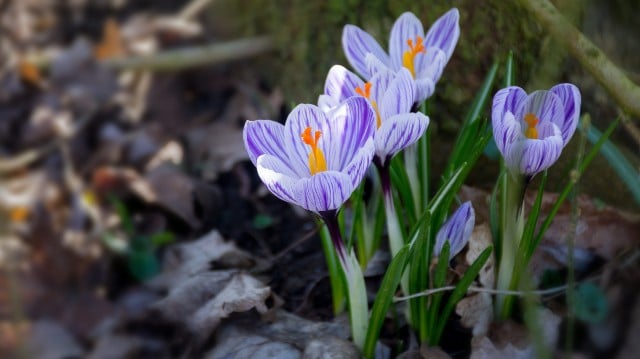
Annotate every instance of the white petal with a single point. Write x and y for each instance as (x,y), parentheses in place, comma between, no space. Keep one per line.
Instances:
(273,172)
(398,132)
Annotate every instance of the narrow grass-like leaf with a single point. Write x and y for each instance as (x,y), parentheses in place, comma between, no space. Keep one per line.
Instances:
(625,170)
(383,300)
(402,185)
(565,192)
(470,125)
(448,189)
(509,72)
(459,292)
(439,280)
(532,218)
(419,278)
(336,277)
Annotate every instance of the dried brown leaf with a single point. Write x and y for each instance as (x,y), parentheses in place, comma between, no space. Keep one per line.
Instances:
(50,340)
(241,294)
(238,344)
(219,146)
(476,312)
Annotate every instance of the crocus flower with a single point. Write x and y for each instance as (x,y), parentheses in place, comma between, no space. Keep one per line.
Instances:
(425,56)
(531,130)
(314,160)
(456,230)
(391,95)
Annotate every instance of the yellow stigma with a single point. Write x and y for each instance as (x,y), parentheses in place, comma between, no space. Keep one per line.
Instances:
(366,93)
(532,121)
(409,55)
(317,163)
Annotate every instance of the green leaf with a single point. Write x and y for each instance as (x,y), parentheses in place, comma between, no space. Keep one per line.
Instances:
(262,221)
(459,291)
(124,215)
(565,192)
(383,300)
(590,303)
(625,170)
(336,278)
(439,280)
(143,264)
(162,238)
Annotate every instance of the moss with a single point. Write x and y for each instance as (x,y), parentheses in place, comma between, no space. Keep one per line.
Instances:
(308,34)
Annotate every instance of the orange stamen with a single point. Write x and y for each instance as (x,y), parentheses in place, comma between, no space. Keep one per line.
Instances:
(532,121)
(366,93)
(410,55)
(317,162)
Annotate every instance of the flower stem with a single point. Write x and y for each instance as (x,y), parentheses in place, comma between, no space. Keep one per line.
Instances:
(394,232)
(512,227)
(356,289)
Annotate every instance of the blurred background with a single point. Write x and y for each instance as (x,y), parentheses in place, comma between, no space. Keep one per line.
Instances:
(121,136)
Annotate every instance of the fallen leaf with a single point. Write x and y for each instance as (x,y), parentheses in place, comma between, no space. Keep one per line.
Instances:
(49,340)
(241,294)
(116,346)
(219,147)
(476,312)
(480,240)
(330,348)
(111,45)
(174,192)
(30,73)
(234,343)
(184,261)
(484,348)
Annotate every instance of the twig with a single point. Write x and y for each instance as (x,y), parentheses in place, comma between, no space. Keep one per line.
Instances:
(29,156)
(173,60)
(617,84)
(472,289)
(193,8)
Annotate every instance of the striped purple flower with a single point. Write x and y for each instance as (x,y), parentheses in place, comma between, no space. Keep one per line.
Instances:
(457,230)
(314,160)
(391,96)
(424,55)
(531,130)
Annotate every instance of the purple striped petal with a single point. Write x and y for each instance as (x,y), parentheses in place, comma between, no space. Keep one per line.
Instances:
(444,33)
(323,192)
(263,136)
(358,166)
(297,152)
(406,27)
(356,43)
(399,96)
(538,155)
(374,65)
(352,124)
(379,84)
(506,133)
(544,104)
(272,171)
(506,100)
(429,68)
(341,83)
(430,64)
(398,132)
(570,97)
(456,230)
(424,89)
